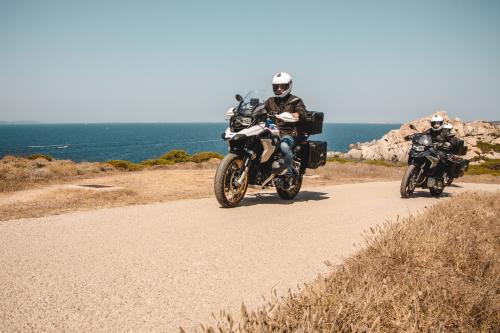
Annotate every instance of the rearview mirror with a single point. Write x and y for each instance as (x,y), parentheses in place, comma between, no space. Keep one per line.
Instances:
(238,97)
(413,127)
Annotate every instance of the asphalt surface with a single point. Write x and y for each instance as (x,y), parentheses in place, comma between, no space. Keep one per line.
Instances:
(160,266)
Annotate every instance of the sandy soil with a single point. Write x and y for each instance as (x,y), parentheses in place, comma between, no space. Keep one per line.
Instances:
(180,181)
(160,266)
(148,186)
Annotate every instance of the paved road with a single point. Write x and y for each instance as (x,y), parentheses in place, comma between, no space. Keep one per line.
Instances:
(156,267)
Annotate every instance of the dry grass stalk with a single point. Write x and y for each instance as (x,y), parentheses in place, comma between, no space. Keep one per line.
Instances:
(437,272)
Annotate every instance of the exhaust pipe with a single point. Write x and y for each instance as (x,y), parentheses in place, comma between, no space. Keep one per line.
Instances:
(268,180)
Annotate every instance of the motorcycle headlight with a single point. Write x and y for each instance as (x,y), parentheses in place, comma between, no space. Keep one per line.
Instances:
(246,121)
(425,140)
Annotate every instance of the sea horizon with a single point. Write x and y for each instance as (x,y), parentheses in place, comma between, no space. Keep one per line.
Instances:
(159,122)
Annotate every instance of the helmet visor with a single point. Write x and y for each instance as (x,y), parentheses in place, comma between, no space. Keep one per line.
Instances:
(436,124)
(280,88)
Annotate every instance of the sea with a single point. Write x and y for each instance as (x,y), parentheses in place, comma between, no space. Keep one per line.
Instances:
(140,141)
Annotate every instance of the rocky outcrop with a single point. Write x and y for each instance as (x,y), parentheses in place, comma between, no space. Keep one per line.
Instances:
(393,147)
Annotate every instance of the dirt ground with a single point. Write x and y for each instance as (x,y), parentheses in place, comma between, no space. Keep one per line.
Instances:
(161,185)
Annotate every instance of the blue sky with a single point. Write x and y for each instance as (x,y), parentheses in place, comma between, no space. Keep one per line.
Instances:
(357,61)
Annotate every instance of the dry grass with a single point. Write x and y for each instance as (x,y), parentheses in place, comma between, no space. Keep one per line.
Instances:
(350,172)
(126,188)
(66,200)
(17,173)
(437,272)
(159,183)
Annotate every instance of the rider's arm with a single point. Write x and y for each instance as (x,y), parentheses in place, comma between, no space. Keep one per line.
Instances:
(270,113)
(300,110)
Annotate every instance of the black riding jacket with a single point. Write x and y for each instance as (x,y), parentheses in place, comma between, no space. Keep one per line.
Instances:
(292,104)
(442,137)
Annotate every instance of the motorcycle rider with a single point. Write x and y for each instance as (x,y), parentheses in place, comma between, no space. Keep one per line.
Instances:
(449,127)
(439,133)
(283,101)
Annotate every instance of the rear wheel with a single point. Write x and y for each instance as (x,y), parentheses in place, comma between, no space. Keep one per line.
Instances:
(436,192)
(409,181)
(228,190)
(291,192)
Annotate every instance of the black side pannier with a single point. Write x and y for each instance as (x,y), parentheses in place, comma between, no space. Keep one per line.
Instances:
(458,147)
(313,123)
(458,168)
(317,154)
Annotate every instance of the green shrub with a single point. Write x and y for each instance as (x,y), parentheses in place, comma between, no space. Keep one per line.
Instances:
(488,147)
(205,156)
(339,160)
(383,163)
(175,156)
(125,165)
(149,163)
(45,156)
(489,167)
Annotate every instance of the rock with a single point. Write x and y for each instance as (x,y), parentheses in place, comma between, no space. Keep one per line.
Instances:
(334,154)
(393,146)
(354,153)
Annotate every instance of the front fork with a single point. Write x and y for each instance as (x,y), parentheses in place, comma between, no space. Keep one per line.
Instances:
(421,171)
(242,173)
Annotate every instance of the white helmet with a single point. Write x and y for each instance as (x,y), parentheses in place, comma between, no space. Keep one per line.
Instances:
(437,123)
(448,126)
(282,84)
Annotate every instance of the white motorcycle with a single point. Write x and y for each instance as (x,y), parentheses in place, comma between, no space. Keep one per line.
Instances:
(255,156)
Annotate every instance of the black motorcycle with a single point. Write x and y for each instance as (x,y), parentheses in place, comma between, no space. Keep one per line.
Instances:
(429,166)
(255,156)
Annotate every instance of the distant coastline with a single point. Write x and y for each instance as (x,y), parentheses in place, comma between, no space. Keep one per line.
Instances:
(170,122)
(20,122)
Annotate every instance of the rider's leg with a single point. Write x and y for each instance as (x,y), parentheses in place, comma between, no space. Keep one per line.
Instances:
(287,145)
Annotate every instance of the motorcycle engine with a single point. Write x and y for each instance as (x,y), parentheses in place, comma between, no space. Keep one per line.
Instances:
(279,167)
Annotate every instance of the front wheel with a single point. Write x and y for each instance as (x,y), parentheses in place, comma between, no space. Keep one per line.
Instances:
(228,190)
(449,181)
(409,181)
(291,192)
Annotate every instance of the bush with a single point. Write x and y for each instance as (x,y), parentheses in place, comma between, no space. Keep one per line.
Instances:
(175,156)
(384,163)
(205,156)
(339,160)
(490,167)
(149,163)
(125,165)
(44,156)
(181,156)
(488,147)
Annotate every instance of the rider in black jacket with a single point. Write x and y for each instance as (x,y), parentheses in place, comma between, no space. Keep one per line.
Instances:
(440,135)
(291,133)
